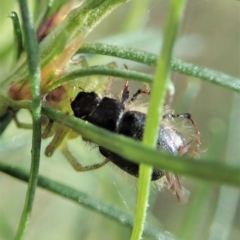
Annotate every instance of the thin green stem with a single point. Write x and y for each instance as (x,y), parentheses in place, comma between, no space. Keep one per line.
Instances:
(177,65)
(87,201)
(41,16)
(18,41)
(155,111)
(204,169)
(101,70)
(34,76)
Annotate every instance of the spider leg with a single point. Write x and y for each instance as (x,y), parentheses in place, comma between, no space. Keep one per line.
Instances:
(59,136)
(110,79)
(56,141)
(17,122)
(60,139)
(47,130)
(139,92)
(75,164)
(125,94)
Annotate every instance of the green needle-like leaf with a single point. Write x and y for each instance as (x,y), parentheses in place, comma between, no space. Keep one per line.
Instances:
(81,198)
(155,111)
(17,34)
(35,78)
(101,70)
(177,65)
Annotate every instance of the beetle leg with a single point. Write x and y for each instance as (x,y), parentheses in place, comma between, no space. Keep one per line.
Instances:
(189,117)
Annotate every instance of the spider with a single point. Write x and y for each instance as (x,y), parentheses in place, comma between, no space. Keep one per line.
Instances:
(119,117)
(116,116)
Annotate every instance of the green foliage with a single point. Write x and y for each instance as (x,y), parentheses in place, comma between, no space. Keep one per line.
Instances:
(66,39)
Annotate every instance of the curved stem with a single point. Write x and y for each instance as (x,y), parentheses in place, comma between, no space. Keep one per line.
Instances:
(101,70)
(87,201)
(17,34)
(177,65)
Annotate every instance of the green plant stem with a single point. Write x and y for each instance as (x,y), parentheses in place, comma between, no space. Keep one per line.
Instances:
(177,65)
(17,34)
(101,70)
(204,169)
(155,111)
(34,76)
(81,198)
(41,14)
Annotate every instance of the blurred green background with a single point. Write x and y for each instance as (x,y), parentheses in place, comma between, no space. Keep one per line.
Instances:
(210,37)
